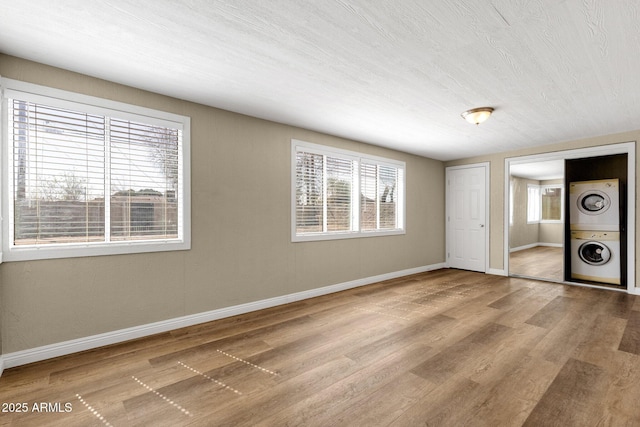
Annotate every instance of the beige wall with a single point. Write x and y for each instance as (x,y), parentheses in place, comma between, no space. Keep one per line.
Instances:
(551,233)
(497,161)
(238,254)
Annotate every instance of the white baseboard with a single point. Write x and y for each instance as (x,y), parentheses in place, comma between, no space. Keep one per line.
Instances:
(522,248)
(535,245)
(10,360)
(551,245)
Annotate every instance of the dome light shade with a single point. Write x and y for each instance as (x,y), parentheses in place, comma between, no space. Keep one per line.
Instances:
(477,115)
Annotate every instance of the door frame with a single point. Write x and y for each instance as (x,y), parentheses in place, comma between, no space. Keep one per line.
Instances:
(487,220)
(628,148)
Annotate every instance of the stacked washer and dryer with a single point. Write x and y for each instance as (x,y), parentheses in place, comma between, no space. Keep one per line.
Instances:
(595,231)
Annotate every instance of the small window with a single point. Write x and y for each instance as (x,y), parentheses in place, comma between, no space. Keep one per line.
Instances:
(340,194)
(545,203)
(87,176)
(533,203)
(511,201)
(552,206)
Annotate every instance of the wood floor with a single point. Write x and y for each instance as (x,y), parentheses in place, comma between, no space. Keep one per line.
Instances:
(542,261)
(444,348)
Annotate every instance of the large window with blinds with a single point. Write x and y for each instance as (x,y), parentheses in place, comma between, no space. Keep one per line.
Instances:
(341,194)
(87,176)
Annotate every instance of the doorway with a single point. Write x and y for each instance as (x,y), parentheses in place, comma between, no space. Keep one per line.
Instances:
(467,211)
(532,246)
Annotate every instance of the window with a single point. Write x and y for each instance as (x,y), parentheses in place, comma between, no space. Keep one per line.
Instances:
(86,176)
(551,203)
(341,194)
(544,203)
(511,205)
(533,203)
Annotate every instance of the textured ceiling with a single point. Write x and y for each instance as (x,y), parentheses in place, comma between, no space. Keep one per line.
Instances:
(539,170)
(395,74)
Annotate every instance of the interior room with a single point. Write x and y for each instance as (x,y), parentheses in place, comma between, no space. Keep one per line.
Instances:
(283,213)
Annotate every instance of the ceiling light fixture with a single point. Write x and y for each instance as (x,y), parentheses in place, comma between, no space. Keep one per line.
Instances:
(477,115)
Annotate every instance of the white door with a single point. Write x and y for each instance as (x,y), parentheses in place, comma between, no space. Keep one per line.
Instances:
(466,217)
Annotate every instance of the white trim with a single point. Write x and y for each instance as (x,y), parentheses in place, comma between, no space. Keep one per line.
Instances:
(523,247)
(487,208)
(551,245)
(628,148)
(535,245)
(1,364)
(67,347)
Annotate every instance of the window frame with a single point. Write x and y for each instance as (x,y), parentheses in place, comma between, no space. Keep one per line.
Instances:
(358,159)
(539,188)
(15,89)
(552,221)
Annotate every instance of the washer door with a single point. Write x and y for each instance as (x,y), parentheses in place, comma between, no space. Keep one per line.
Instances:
(593,202)
(594,253)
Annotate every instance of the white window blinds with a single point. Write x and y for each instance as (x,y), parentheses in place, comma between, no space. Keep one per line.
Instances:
(323,193)
(85,176)
(339,182)
(379,186)
(343,194)
(309,192)
(144,180)
(58,174)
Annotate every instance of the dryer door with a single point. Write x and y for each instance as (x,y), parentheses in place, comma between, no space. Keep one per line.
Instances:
(594,253)
(593,202)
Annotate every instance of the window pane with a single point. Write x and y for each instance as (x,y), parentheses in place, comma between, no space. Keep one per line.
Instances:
(533,203)
(58,174)
(387,192)
(368,197)
(379,186)
(309,193)
(144,181)
(551,203)
(339,181)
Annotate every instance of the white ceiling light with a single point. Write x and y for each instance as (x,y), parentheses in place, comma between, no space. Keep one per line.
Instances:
(477,115)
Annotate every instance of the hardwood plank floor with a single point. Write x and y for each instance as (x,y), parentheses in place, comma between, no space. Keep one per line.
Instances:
(545,262)
(445,348)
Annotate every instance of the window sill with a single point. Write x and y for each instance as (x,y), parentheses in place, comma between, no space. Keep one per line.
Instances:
(310,237)
(31,253)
